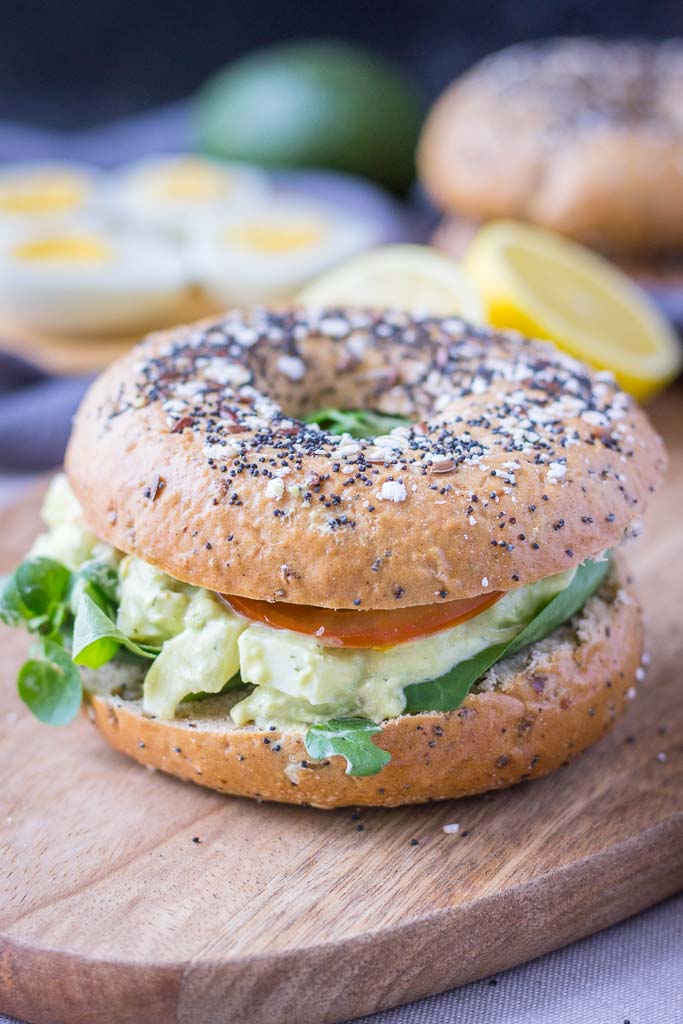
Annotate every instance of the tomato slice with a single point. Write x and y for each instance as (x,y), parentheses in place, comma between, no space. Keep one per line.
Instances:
(347,628)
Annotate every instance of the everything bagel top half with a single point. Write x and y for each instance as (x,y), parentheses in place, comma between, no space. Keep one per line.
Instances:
(190,452)
(279,612)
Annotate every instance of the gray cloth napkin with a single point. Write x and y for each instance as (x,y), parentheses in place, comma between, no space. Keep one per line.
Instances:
(164,130)
(632,972)
(35,414)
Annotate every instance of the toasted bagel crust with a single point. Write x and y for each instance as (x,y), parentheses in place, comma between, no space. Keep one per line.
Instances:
(548,704)
(521,463)
(578,135)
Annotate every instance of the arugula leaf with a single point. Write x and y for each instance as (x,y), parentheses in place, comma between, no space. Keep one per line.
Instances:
(97,638)
(448,691)
(356,422)
(350,738)
(41,584)
(52,688)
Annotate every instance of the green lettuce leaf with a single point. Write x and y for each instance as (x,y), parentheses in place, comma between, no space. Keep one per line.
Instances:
(12,611)
(51,688)
(356,422)
(35,596)
(41,583)
(44,596)
(97,638)
(350,738)
(448,691)
(100,581)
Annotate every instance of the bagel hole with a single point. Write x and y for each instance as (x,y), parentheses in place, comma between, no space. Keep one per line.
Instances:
(365,393)
(359,423)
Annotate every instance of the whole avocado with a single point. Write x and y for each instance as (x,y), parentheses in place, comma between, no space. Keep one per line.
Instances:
(313,104)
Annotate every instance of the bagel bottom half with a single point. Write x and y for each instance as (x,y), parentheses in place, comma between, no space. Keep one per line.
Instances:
(528,715)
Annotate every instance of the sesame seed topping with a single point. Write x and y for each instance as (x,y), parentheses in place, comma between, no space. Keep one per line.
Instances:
(392,490)
(275,488)
(452,828)
(556,472)
(491,416)
(292,367)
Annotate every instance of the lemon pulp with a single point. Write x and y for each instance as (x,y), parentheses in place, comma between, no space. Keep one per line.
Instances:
(550,288)
(412,278)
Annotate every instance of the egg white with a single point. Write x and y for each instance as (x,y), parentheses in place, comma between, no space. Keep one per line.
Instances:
(86,277)
(270,250)
(185,193)
(37,194)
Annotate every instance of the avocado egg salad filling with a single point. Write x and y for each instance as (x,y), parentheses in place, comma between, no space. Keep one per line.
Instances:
(334,675)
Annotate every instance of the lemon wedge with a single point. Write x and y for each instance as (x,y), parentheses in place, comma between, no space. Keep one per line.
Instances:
(413,278)
(547,287)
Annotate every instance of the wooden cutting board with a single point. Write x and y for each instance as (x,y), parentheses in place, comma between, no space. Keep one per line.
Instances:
(73,354)
(130,897)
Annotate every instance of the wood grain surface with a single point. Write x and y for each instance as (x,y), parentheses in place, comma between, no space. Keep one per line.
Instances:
(129,897)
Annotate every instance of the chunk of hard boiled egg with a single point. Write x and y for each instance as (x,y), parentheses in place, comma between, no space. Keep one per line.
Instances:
(36,194)
(89,278)
(270,251)
(180,192)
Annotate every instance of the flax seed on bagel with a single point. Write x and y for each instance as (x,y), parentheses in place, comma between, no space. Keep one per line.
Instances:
(519,462)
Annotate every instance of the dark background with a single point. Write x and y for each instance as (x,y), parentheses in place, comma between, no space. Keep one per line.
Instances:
(70,64)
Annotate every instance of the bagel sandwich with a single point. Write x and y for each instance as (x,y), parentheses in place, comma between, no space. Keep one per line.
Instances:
(581,136)
(341,557)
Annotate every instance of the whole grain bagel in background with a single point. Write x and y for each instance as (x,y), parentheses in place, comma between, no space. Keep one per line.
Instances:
(278,611)
(581,136)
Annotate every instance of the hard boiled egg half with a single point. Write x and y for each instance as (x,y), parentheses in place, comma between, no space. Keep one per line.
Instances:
(269,251)
(182,193)
(36,194)
(91,278)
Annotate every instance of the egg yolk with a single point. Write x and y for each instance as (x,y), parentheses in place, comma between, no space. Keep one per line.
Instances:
(64,249)
(41,194)
(188,180)
(262,237)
